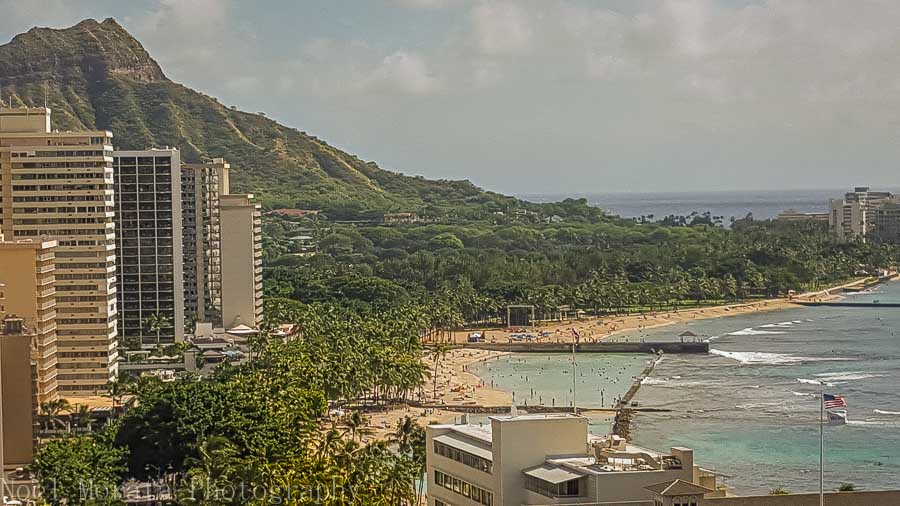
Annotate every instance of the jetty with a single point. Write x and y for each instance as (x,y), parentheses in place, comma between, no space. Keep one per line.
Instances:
(841,303)
(528,408)
(598,347)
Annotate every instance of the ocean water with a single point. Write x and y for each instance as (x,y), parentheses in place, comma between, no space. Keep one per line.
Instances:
(762,204)
(748,409)
(547,379)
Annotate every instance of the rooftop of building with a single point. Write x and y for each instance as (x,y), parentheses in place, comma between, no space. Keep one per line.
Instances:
(27,243)
(678,488)
(603,454)
(165,151)
(530,417)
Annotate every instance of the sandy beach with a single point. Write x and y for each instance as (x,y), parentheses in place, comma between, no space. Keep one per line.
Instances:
(596,329)
(455,386)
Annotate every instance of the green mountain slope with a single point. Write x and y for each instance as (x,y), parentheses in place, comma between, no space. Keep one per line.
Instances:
(96,75)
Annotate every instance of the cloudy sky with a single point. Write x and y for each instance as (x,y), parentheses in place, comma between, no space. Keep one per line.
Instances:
(549,96)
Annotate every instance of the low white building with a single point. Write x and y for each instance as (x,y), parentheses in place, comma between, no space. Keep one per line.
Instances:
(547,459)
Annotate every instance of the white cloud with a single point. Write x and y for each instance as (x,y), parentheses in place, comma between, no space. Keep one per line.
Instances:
(600,90)
(502,27)
(403,72)
(187,31)
(18,16)
(426,4)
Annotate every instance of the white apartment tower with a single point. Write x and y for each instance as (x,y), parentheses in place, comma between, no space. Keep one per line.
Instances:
(59,186)
(200,208)
(853,217)
(149,246)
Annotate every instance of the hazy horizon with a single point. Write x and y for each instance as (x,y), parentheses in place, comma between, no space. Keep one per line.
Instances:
(542,97)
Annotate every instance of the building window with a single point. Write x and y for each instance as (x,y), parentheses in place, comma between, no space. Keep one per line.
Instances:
(571,488)
(463,457)
(463,488)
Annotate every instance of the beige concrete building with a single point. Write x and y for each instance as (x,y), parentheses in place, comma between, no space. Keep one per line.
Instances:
(18,397)
(149,246)
(241,222)
(28,273)
(853,217)
(794,215)
(200,207)
(887,223)
(59,185)
(547,459)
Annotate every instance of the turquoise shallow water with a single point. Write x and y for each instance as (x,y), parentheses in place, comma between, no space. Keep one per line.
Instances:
(547,379)
(748,408)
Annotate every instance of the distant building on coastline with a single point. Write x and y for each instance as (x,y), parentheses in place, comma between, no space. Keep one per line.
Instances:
(887,223)
(793,215)
(552,459)
(854,216)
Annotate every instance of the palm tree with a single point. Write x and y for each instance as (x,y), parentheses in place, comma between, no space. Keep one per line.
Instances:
(439,352)
(51,411)
(356,424)
(118,389)
(410,440)
(82,417)
(156,323)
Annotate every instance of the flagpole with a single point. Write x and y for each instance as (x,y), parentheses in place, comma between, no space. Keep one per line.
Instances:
(574,381)
(822,446)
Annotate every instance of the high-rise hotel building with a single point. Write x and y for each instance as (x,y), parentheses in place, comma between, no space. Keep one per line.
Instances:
(241,261)
(59,185)
(201,184)
(189,251)
(27,271)
(149,242)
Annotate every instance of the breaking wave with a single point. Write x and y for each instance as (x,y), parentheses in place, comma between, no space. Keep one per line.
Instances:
(763,358)
(750,331)
(883,412)
(847,376)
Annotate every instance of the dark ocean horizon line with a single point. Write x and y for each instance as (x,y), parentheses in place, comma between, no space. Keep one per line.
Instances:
(762,204)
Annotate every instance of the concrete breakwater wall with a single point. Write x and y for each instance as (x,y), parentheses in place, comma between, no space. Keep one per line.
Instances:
(525,408)
(601,347)
(849,304)
(622,422)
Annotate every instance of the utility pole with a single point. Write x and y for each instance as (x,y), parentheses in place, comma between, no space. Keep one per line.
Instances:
(574,381)
(822,444)
(2,455)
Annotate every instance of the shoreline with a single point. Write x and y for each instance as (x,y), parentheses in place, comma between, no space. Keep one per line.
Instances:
(601,328)
(457,386)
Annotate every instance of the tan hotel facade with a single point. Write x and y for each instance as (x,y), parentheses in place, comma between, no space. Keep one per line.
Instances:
(27,271)
(59,185)
(241,261)
(18,398)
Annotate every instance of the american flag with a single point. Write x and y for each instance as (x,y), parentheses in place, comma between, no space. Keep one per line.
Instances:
(834,401)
